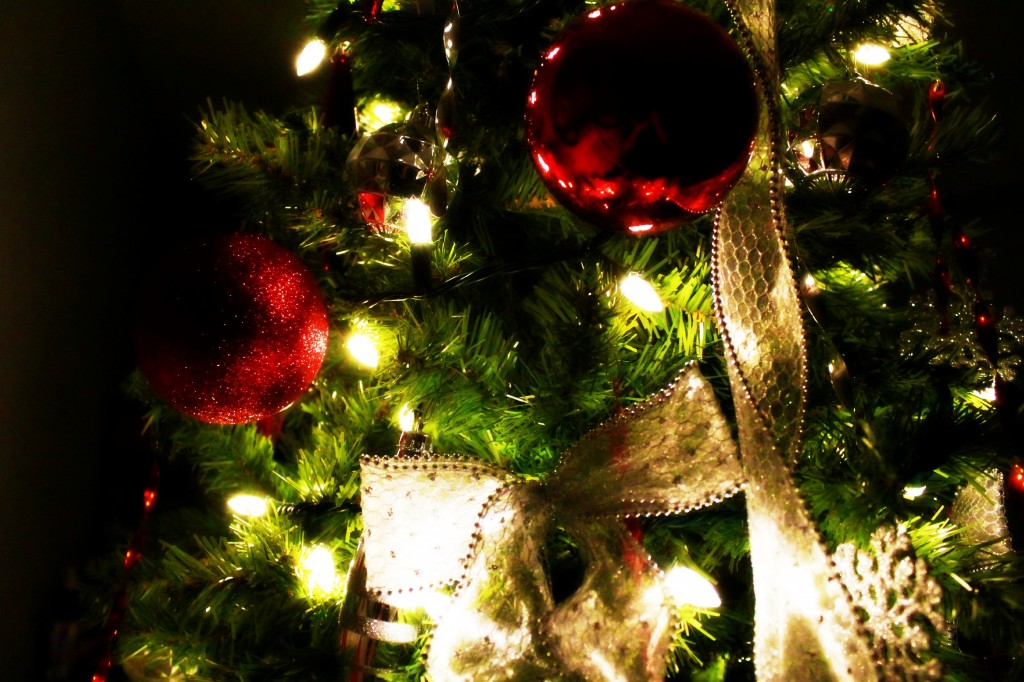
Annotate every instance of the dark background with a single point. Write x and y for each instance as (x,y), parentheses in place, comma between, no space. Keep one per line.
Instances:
(97,104)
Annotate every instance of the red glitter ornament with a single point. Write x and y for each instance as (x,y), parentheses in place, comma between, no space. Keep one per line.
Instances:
(642,115)
(231,329)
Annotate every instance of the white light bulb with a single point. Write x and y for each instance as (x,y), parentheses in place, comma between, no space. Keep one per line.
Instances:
(406,418)
(871,54)
(317,570)
(686,586)
(807,148)
(987,394)
(640,293)
(912,492)
(311,57)
(380,113)
(418,222)
(363,349)
(247,505)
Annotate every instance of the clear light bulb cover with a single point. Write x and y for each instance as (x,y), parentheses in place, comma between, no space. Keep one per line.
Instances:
(247,505)
(406,418)
(686,586)
(418,222)
(871,54)
(640,293)
(317,570)
(363,349)
(311,57)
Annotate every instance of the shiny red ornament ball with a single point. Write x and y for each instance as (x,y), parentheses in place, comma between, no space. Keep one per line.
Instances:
(1016,477)
(231,329)
(642,115)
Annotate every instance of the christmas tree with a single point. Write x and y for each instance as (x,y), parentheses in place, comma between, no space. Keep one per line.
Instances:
(563,340)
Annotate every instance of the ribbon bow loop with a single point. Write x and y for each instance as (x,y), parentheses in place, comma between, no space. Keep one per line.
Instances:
(668,455)
(438,522)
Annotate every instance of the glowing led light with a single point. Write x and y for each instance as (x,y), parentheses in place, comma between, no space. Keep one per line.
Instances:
(247,505)
(870,54)
(988,393)
(363,349)
(317,570)
(641,228)
(386,111)
(380,113)
(553,52)
(542,163)
(406,418)
(311,57)
(640,293)
(912,492)
(686,586)
(807,148)
(418,222)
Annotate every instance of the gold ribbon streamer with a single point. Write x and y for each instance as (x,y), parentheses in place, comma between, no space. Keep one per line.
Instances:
(805,626)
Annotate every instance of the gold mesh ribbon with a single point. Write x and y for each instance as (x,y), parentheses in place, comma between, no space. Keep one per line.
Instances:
(980,512)
(465,540)
(805,627)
